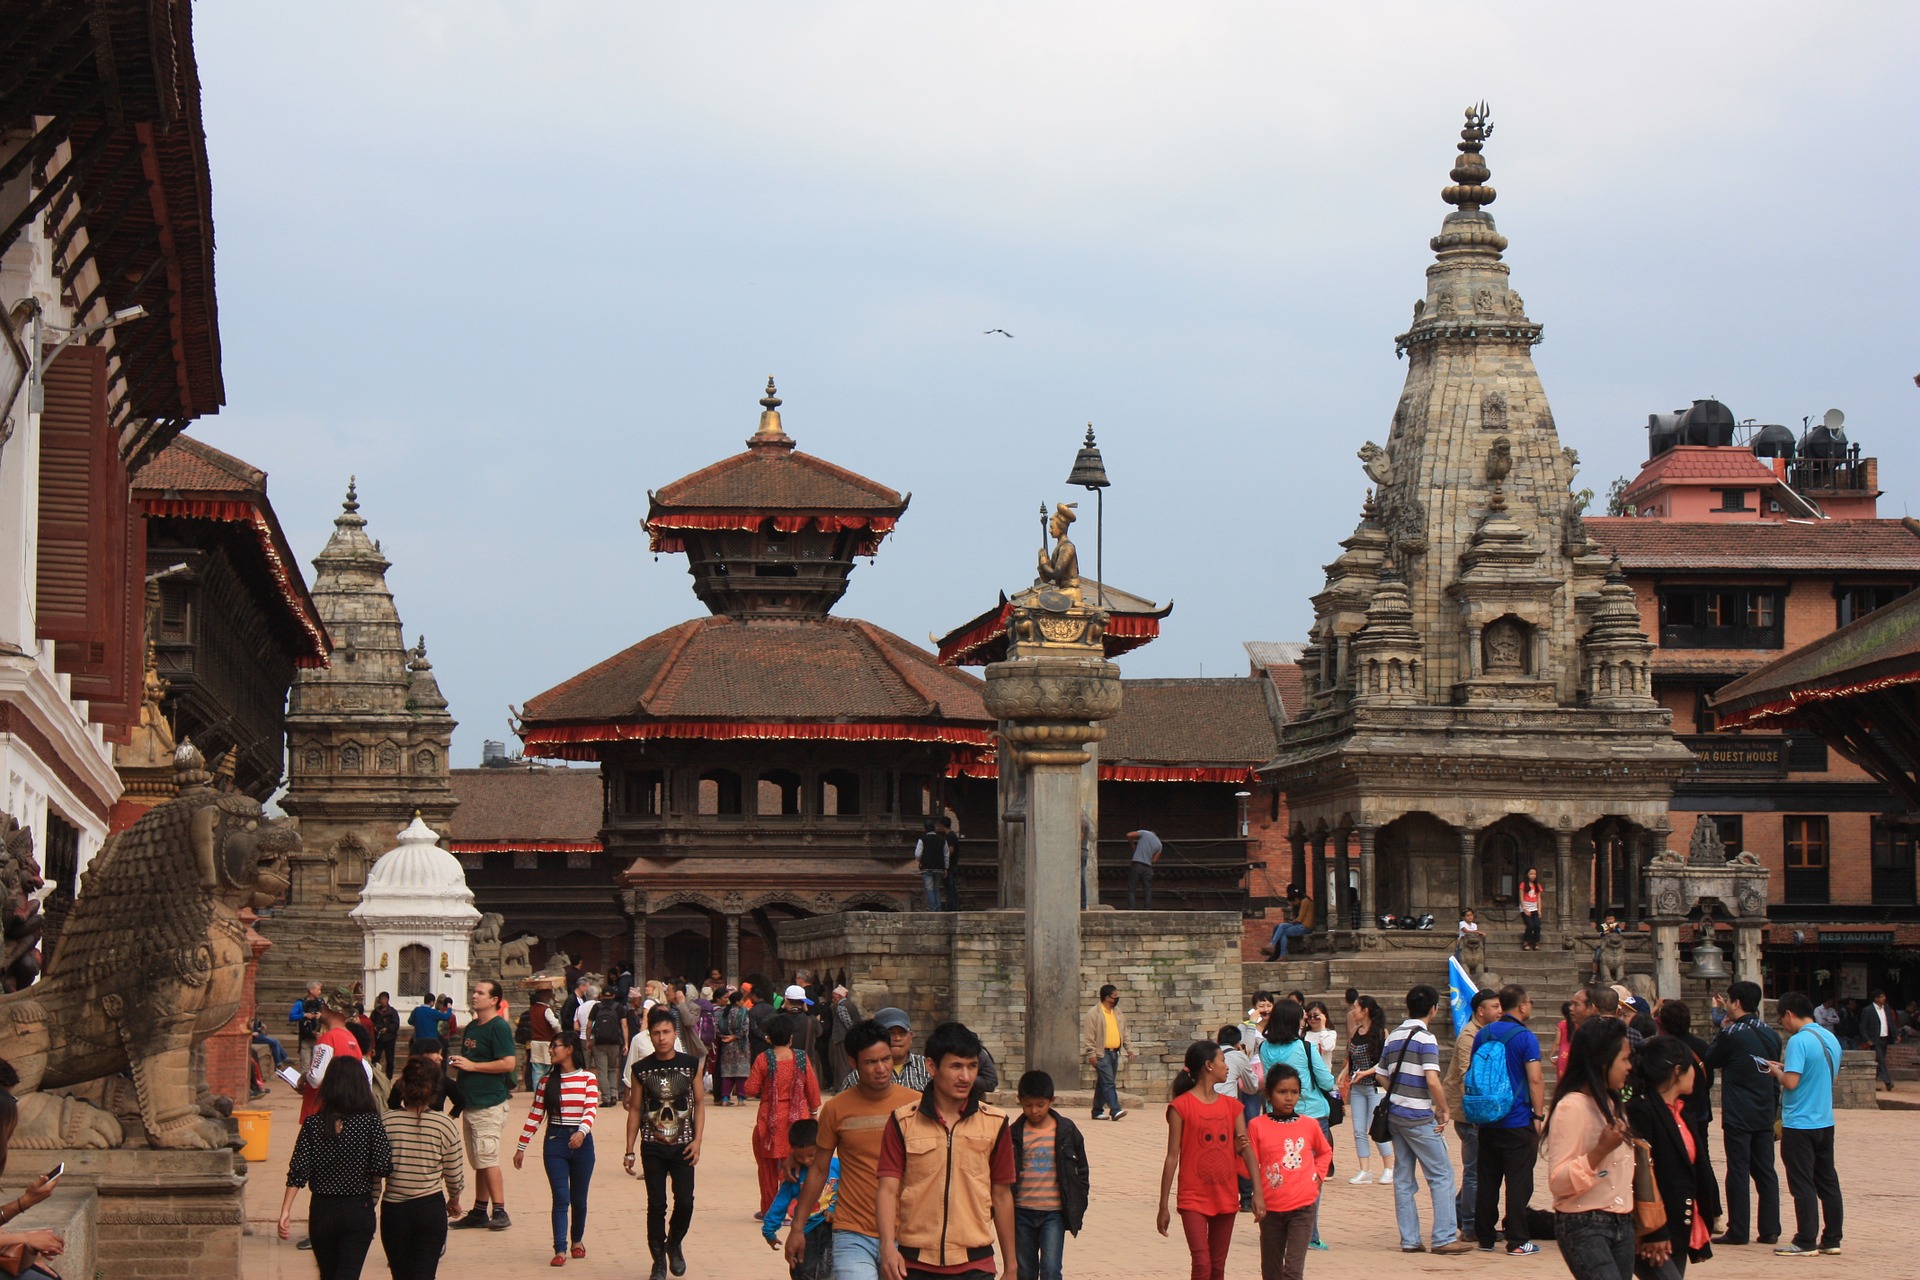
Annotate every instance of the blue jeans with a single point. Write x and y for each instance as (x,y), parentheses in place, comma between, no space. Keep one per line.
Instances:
(933,881)
(1039,1235)
(1419,1147)
(1361,1102)
(273,1046)
(1463,1204)
(1106,1092)
(569,1170)
(1281,934)
(855,1257)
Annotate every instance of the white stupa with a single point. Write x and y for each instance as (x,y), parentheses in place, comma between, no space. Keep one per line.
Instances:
(417,915)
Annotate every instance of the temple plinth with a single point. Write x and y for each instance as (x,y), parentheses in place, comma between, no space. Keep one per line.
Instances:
(1050,695)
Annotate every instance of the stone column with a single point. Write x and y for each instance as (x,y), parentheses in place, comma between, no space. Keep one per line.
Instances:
(1746,949)
(1317,887)
(1640,849)
(1089,829)
(733,949)
(1369,908)
(637,916)
(1051,692)
(1563,880)
(1469,877)
(1297,873)
(1342,881)
(1666,959)
(1013,830)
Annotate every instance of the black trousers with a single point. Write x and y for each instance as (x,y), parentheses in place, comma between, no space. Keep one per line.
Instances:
(660,1166)
(1140,878)
(414,1235)
(1506,1155)
(1815,1184)
(342,1231)
(1750,1154)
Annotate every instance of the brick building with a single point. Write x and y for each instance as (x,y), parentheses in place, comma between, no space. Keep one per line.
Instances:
(1749,543)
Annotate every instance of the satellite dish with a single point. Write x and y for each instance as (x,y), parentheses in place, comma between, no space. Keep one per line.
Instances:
(1834,420)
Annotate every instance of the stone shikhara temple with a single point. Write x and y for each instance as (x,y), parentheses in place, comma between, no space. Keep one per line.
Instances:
(1479,691)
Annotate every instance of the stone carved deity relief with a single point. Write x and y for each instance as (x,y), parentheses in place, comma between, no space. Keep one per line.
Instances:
(1483,301)
(389,758)
(1515,307)
(1504,647)
(1493,411)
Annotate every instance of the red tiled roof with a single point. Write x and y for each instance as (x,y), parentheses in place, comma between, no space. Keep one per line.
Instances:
(1290,686)
(190,466)
(773,671)
(1206,721)
(525,806)
(1700,464)
(767,480)
(1760,546)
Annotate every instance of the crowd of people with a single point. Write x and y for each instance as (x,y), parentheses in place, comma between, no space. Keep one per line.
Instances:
(878,1160)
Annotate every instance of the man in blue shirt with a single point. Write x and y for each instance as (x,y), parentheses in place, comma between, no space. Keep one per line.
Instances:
(1810,1071)
(429,1022)
(1510,1145)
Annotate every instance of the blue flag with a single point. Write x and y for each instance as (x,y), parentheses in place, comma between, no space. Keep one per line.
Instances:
(1462,985)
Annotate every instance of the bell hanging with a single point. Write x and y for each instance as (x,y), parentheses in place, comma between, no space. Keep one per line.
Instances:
(1709,962)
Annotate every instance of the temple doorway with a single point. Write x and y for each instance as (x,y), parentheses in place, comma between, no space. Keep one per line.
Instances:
(1507,849)
(1419,866)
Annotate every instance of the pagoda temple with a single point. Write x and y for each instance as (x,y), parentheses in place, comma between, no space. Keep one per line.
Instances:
(1478,686)
(771,760)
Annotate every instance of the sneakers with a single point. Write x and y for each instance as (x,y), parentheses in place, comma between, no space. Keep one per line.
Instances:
(475,1217)
(1796,1251)
(1361,1178)
(1456,1246)
(1522,1250)
(1831,1250)
(676,1260)
(1321,1245)
(1413,1248)
(1386,1179)
(499,1221)
(1120,1113)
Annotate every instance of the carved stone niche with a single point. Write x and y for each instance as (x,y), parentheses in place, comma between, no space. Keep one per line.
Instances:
(1506,648)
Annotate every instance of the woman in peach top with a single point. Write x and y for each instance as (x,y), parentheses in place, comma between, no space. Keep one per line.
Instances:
(1589,1161)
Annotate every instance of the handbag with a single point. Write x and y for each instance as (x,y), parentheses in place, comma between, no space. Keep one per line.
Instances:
(1379,1129)
(1336,1105)
(23,1260)
(1649,1210)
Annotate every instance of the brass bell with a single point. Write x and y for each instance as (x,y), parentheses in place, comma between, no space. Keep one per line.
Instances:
(1709,962)
(1089,469)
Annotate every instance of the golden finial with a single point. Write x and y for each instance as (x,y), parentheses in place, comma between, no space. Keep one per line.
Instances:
(1469,191)
(770,435)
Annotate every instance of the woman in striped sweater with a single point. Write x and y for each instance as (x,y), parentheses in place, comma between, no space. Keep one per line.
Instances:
(569,1099)
(428,1174)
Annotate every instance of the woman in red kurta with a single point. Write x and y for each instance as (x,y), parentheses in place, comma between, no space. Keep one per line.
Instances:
(788,1091)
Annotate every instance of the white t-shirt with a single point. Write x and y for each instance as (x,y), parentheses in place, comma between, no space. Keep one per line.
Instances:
(1468,926)
(1324,1041)
(582,1021)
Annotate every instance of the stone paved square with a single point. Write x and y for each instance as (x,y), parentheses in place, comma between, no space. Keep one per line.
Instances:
(1119,1242)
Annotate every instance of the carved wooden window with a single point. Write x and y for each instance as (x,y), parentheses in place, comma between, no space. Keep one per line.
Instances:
(525,861)
(349,759)
(719,794)
(579,860)
(1709,617)
(389,759)
(416,971)
(1806,849)
(1893,863)
(642,792)
(778,795)
(1857,602)
(839,794)
(916,795)
(472,861)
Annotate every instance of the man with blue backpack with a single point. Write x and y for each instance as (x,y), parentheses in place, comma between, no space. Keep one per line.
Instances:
(1505,1095)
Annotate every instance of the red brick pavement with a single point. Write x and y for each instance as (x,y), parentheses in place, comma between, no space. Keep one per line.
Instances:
(1119,1242)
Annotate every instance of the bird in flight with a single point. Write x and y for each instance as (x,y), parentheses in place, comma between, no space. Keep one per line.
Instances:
(1003,333)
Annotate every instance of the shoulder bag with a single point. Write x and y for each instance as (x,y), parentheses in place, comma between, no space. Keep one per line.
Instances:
(1649,1210)
(23,1260)
(1336,1105)
(1379,1129)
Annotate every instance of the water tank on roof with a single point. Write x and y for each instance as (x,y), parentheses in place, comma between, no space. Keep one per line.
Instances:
(1663,432)
(1709,422)
(1829,439)
(1773,441)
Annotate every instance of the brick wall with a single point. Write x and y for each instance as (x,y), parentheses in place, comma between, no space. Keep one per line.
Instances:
(1178,972)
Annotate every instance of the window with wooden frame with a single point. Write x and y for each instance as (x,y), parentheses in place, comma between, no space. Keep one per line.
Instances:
(1804,839)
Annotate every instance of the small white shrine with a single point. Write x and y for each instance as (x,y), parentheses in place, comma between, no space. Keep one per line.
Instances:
(417,915)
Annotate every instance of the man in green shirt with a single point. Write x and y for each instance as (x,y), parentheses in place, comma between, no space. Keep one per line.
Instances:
(485,1063)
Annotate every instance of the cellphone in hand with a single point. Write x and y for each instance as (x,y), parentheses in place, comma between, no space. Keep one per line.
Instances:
(1761,1062)
(56,1171)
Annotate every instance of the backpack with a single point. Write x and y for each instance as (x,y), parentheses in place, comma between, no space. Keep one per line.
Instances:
(605,1022)
(1488,1095)
(523,1029)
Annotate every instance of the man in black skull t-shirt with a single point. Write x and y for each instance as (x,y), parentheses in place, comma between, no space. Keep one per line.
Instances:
(665,1116)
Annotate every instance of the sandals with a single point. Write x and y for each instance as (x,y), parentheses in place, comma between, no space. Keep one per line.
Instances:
(579,1250)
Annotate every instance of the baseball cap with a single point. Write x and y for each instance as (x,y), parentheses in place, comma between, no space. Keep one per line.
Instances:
(796,992)
(891,1018)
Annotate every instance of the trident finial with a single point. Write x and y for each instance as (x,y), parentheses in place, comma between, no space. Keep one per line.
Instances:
(1470,191)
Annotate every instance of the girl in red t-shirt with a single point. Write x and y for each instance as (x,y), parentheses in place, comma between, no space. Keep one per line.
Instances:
(1207,1143)
(1291,1159)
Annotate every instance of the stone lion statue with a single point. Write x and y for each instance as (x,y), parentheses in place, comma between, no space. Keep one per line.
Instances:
(487,932)
(1612,962)
(149,964)
(519,952)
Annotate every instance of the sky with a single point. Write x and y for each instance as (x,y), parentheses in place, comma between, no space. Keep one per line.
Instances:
(515,264)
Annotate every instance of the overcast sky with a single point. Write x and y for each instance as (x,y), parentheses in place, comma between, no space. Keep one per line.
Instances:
(516,264)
